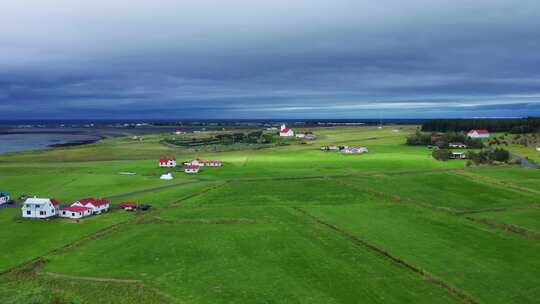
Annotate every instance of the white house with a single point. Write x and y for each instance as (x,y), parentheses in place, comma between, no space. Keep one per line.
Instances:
(168,162)
(478,134)
(40,207)
(286,132)
(457,145)
(458,155)
(191,169)
(354,150)
(96,205)
(166,176)
(4,197)
(204,163)
(75,212)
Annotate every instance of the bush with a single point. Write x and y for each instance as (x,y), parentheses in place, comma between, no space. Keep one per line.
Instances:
(441,154)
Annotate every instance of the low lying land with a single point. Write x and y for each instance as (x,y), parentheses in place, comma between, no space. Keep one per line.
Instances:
(278,223)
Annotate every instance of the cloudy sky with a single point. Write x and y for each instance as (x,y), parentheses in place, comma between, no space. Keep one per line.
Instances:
(269,59)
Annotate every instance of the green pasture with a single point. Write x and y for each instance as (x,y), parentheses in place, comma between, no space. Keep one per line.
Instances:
(285,224)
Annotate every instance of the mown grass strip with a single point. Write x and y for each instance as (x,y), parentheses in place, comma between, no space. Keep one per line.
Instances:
(398,261)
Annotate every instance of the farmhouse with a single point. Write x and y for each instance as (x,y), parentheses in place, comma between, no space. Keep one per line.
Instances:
(458,155)
(75,212)
(286,132)
(478,134)
(354,150)
(191,169)
(168,162)
(4,197)
(39,207)
(457,145)
(96,205)
(204,163)
(538,148)
(306,136)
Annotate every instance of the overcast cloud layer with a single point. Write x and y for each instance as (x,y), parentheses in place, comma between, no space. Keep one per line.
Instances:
(269,59)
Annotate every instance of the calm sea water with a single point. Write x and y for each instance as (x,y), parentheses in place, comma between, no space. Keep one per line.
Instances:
(26,142)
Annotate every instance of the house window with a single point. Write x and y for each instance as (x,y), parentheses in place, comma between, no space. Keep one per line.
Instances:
(42,213)
(63,212)
(28,212)
(72,213)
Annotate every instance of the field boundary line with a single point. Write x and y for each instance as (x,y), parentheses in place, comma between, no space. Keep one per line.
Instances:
(147,190)
(177,203)
(507,227)
(495,182)
(94,279)
(396,260)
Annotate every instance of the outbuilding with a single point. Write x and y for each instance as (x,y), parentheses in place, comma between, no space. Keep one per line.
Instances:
(166,176)
(40,208)
(4,197)
(75,212)
(128,206)
(457,145)
(191,169)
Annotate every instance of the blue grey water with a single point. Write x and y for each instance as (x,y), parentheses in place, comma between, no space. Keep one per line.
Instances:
(27,142)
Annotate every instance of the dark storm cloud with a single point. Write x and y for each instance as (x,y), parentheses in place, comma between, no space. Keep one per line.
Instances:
(238,59)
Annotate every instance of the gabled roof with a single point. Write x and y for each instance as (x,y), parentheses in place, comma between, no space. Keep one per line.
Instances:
(167,159)
(479,131)
(93,201)
(54,201)
(127,204)
(75,209)
(285,130)
(88,200)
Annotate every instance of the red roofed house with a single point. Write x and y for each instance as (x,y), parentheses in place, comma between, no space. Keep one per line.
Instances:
(478,134)
(97,205)
(286,132)
(169,162)
(75,212)
(191,169)
(204,163)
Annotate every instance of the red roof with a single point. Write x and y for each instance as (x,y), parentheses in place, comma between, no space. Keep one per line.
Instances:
(127,204)
(87,200)
(285,130)
(75,209)
(210,161)
(479,131)
(166,159)
(101,202)
(93,201)
(54,201)
(187,167)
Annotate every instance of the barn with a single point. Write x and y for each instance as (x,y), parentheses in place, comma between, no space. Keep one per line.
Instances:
(478,134)
(96,205)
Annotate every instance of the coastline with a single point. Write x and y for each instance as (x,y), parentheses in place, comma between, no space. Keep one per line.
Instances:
(91,138)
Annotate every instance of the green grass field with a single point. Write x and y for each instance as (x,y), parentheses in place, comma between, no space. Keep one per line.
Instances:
(286,224)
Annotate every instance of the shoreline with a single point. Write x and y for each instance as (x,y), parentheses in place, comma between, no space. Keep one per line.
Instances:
(97,137)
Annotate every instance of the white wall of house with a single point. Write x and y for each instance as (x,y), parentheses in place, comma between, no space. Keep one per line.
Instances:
(38,208)
(168,164)
(74,215)
(4,199)
(94,209)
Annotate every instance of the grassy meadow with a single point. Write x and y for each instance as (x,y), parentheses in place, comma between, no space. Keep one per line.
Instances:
(283,224)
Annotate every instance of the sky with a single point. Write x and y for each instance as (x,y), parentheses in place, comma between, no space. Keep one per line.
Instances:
(79,59)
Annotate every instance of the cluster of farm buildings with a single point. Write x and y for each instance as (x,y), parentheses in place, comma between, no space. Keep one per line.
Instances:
(44,208)
(284,131)
(192,166)
(345,149)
